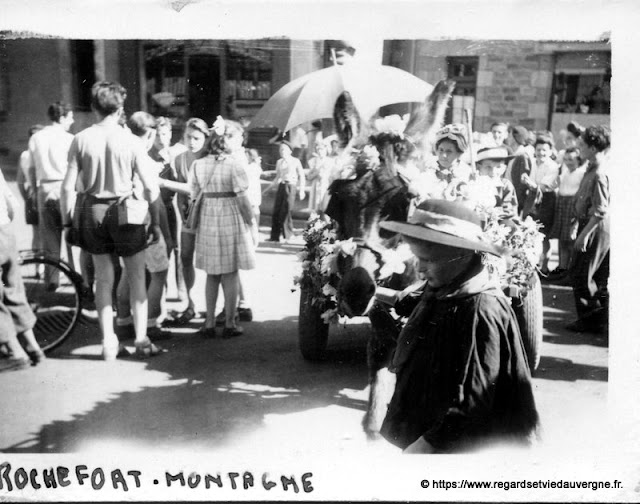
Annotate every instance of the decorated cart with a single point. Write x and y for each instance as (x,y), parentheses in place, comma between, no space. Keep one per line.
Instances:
(319,279)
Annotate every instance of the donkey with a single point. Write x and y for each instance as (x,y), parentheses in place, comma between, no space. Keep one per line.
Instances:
(378,192)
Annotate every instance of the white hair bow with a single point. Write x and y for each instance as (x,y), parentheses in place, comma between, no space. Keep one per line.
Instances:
(218,126)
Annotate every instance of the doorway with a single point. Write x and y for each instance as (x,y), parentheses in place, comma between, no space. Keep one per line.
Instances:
(204,87)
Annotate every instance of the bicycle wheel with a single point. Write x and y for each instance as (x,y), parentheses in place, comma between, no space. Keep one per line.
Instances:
(57,309)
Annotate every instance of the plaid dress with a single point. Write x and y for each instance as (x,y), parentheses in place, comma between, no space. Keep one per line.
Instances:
(223,240)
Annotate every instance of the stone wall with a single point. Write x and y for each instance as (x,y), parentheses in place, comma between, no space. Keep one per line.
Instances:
(513,83)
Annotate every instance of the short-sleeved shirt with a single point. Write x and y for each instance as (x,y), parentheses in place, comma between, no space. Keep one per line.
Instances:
(570,180)
(546,173)
(107,156)
(182,166)
(289,170)
(49,149)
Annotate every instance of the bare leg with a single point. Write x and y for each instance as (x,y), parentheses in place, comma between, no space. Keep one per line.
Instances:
(14,346)
(30,340)
(544,259)
(134,270)
(123,300)
(105,274)
(155,293)
(211,294)
(187,249)
(230,286)
(242,297)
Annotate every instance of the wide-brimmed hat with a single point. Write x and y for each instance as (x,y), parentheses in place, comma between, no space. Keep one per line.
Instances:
(498,153)
(447,223)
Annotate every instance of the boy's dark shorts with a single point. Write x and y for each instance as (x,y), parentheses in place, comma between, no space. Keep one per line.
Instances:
(97,231)
(16,315)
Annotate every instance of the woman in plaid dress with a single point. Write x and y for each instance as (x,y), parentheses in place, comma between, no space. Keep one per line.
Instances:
(224,242)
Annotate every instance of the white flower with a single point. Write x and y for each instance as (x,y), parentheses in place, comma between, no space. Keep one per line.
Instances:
(327,248)
(393,124)
(218,126)
(329,290)
(346,247)
(393,262)
(330,316)
(329,264)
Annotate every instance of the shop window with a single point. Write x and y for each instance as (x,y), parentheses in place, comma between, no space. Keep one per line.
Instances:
(84,71)
(582,83)
(249,69)
(166,79)
(464,71)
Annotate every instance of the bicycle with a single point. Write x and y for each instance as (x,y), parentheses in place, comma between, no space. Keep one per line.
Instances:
(57,306)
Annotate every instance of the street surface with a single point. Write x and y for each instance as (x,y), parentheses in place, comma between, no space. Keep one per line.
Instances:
(256,392)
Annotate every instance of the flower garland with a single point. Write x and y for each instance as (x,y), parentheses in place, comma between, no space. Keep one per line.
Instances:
(319,263)
(520,242)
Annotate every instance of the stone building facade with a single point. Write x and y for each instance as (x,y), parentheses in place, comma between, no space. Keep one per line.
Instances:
(515,81)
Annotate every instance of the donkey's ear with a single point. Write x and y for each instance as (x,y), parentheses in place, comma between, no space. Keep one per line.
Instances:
(429,116)
(347,120)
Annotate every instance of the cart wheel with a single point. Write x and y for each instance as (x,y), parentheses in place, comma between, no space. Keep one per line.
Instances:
(313,333)
(528,311)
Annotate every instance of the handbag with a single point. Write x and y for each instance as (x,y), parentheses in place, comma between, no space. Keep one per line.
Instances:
(132,211)
(193,215)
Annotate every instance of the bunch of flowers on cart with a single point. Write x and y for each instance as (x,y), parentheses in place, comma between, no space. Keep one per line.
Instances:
(521,245)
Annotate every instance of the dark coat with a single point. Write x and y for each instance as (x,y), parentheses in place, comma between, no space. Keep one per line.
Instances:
(462,375)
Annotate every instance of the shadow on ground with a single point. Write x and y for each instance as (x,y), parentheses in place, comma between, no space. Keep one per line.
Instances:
(554,368)
(208,392)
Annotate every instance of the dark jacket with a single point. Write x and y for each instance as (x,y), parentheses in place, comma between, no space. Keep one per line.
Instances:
(463,381)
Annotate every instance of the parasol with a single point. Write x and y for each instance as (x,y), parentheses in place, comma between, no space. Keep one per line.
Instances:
(314,95)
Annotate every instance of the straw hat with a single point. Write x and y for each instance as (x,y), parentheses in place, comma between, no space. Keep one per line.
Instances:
(499,153)
(447,223)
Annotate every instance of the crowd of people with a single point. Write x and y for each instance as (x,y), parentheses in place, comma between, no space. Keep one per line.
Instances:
(111,189)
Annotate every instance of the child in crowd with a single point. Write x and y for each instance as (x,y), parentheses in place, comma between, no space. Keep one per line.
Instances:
(195,135)
(542,184)
(490,189)
(320,174)
(572,173)
(157,254)
(439,180)
(290,178)
(500,133)
(254,193)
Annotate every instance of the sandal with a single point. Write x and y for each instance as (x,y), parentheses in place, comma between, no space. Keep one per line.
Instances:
(36,356)
(111,354)
(207,332)
(232,332)
(184,318)
(148,349)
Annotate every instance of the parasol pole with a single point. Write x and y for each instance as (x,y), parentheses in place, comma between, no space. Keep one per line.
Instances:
(472,154)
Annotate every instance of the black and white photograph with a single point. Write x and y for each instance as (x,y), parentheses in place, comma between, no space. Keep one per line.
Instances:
(326,251)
